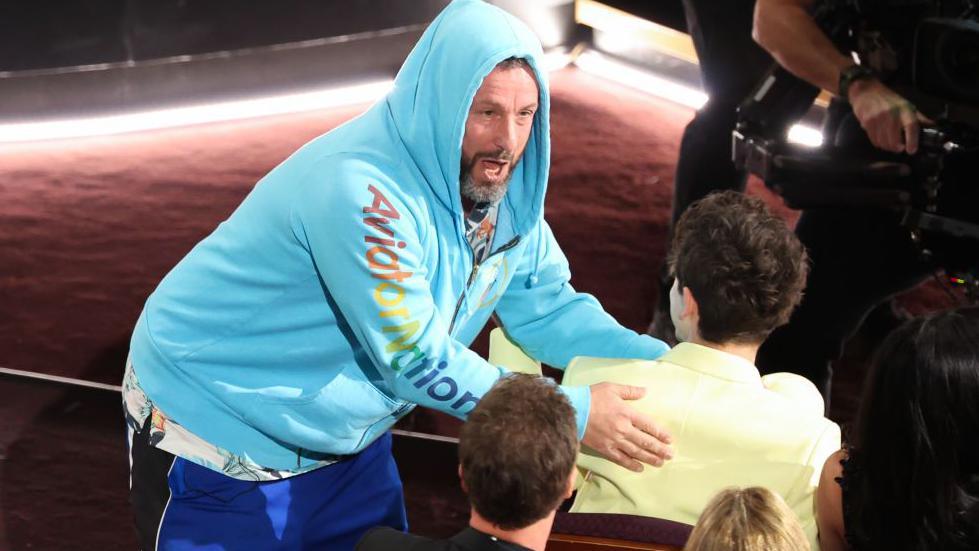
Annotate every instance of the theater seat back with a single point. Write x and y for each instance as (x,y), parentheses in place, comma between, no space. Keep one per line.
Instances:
(605,531)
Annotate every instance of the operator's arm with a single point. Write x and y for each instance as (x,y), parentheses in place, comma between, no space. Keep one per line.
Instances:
(788,32)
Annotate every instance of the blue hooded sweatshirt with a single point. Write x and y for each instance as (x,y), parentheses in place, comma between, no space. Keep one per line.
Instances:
(342,291)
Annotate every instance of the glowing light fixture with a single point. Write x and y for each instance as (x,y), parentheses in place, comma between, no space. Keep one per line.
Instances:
(555,60)
(193,114)
(605,67)
(589,61)
(32,131)
(805,135)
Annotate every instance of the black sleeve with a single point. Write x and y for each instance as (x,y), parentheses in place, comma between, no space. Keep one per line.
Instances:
(383,538)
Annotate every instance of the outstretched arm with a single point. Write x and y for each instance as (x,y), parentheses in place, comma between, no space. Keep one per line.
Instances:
(553,323)
(788,32)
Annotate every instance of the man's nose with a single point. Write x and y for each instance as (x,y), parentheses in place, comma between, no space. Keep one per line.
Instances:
(506,135)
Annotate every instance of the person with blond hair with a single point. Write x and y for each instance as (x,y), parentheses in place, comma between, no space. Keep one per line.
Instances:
(747,519)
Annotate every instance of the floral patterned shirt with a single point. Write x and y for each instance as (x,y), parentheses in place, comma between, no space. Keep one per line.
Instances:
(170,436)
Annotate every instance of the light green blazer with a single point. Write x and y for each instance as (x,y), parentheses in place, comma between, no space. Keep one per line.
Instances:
(730,426)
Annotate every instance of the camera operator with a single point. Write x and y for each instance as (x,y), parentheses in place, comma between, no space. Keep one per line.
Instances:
(861,256)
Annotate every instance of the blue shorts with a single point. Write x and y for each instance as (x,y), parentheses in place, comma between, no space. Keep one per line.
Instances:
(180,505)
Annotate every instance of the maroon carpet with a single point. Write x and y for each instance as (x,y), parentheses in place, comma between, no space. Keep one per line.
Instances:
(88,227)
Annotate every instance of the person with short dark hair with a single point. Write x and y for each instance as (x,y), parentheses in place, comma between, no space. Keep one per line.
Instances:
(739,273)
(516,461)
(909,480)
(743,266)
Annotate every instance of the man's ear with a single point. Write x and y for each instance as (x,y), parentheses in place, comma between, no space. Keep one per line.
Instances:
(690,307)
(462,481)
(572,478)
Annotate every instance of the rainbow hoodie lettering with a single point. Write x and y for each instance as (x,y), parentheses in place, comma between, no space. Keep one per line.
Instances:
(383,263)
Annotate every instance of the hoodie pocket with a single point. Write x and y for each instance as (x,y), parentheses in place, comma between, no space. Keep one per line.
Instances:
(334,419)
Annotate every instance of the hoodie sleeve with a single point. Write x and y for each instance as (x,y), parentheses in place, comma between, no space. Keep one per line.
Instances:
(553,323)
(369,251)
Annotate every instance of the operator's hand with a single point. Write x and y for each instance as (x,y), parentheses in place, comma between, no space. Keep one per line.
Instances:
(892,122)
(622,434)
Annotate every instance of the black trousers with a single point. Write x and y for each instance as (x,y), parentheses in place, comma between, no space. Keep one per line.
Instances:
(731,64)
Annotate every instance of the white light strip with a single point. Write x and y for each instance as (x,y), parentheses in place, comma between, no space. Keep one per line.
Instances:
(590,61)
(805,135)
(605,67)
(195,114)
(556,60)
(216,112)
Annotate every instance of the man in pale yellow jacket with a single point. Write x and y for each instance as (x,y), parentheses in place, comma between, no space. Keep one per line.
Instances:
(739,274)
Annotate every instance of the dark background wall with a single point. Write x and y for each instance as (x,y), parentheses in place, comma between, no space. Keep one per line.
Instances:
(47,34)
(42,34)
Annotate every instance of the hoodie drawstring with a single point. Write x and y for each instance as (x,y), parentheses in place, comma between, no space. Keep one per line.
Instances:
(532,279)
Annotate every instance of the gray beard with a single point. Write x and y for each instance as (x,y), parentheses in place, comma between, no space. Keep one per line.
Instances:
(480,194)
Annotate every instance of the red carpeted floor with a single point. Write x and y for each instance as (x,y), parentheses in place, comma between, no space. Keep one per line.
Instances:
(88,227)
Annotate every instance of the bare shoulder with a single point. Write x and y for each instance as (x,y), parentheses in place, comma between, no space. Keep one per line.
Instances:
(829,492)
(833,468)
(829,504)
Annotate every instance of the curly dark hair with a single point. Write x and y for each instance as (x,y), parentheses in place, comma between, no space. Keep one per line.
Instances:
(742,263)
(517,451)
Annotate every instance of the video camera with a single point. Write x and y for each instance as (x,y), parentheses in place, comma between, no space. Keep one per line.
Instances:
(939,67)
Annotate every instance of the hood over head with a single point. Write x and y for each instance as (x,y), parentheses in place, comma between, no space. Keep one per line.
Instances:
(434,90)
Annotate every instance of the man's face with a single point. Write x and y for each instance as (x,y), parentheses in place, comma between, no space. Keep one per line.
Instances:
(497,129)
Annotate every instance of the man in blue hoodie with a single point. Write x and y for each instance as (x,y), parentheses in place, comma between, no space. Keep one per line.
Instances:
(267,367)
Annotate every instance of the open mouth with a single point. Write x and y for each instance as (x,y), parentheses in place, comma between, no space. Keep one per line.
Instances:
(493,168)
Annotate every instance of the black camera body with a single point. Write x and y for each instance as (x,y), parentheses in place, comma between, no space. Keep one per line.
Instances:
(935,65)
(945,63)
